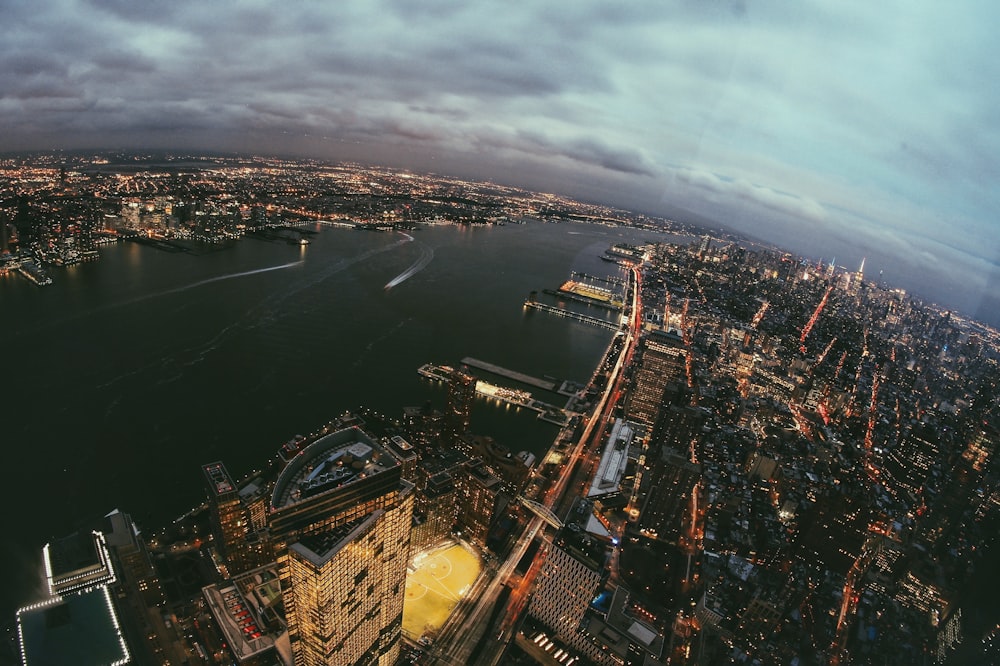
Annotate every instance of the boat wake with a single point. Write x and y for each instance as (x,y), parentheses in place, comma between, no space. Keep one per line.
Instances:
(219,278)
(426,256)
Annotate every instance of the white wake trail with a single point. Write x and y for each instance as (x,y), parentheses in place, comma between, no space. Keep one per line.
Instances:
(426,256)
(219,278)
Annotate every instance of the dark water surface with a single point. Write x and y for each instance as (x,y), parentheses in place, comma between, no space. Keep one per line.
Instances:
(126,374)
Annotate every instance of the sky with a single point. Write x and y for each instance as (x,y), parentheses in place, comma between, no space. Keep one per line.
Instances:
(835,128)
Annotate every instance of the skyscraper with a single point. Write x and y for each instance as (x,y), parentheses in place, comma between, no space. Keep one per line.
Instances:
(663,361)
(340,529)
(230,524)
(461,392)
(568,581)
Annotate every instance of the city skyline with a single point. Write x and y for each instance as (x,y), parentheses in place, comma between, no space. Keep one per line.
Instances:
(803,456)
(840,131)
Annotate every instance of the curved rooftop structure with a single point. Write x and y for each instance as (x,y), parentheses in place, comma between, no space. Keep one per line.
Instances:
(331,462)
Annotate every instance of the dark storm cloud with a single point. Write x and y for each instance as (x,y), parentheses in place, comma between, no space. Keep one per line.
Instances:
(846,118)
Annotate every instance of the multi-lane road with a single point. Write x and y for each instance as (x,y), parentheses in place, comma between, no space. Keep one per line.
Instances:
(468,626)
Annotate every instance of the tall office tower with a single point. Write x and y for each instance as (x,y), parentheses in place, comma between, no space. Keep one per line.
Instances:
(982,445)
(567,582)
(230,524)
(478,490)
(461,392)
(663,361)
(340,528)
(438,509)
(3,233)
(134,563)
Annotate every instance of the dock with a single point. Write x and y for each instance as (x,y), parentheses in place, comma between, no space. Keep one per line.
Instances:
(543,384)
(569,295)
(513,397)
(587,319)
(606,280)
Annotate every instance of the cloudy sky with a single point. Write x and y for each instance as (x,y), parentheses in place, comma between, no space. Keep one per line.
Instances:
(834,127)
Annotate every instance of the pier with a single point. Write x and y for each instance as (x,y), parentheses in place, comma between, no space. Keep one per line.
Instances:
(606,280)
(586,300)
(587,319)
(34,273)
(543,384)
(546,412)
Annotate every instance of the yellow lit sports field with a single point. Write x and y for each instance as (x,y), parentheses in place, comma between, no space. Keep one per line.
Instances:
(435,582)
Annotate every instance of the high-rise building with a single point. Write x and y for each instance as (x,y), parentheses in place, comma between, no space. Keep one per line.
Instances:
(663,361)
(461,392)
(438,508)
(478,489)
(667,495)
(339,526)
(230,524)
(568,581)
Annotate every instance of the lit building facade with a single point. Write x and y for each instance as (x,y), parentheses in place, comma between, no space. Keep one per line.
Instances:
(664,360)
(230,524)
(461,393)
(339,526)
(438,508)
(478,490)
(567,582)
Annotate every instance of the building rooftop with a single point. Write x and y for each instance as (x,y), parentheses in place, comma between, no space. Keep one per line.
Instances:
(77,562)
(243,618)
(609,474)
(330,462)
(320,548)
(80,629)
(218,479)
(76,552)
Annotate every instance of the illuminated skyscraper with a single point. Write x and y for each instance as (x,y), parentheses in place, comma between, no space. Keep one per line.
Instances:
(461,392)
(230,525)
(340,529)
(663,361)
(568,581)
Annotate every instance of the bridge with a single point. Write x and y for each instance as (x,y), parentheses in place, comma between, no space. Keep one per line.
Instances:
(542,511)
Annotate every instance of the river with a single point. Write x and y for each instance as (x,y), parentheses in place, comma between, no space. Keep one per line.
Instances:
(126,374)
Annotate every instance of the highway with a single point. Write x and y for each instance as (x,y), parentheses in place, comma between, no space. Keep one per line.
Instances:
(467,626)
